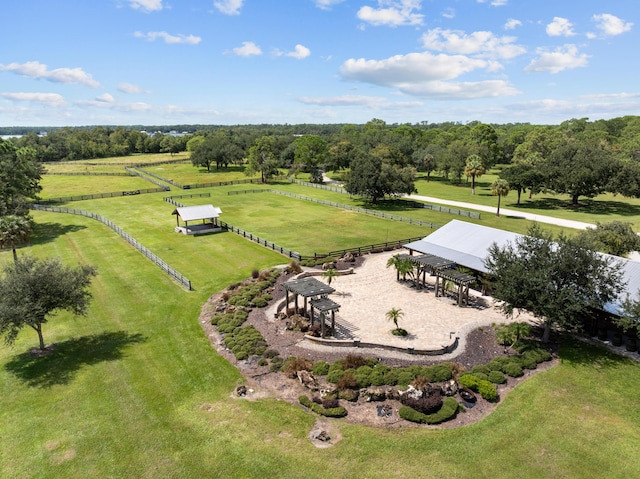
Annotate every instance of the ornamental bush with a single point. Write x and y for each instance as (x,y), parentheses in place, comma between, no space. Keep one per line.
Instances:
(320,368)
(448,410)
(497,377)
(319,409)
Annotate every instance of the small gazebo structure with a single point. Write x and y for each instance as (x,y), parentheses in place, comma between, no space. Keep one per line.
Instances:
(323,306)
(427,263)
(460,279)
(207,214)
(308,288)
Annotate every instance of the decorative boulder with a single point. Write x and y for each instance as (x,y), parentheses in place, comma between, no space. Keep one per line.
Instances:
(331,265)
(450,388)
(307,379)
(374,394)
(348,257)
(322,436)
(241,391)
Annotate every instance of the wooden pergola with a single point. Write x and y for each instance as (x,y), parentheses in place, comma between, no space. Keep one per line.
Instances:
(308,288)
(427,263)
(462,280)
(323,306)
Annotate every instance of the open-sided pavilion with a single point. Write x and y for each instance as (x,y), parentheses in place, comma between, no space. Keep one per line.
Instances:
(207,214)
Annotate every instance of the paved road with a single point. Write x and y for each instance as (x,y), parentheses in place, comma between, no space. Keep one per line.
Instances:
(506,212)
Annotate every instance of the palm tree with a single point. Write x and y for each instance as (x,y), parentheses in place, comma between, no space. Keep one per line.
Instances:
(329,275)
(475,169)
(394,315)
(395,261)
(499,188)
(14,230)
(403,266)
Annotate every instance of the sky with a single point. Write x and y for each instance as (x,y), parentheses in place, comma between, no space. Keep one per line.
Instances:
(228,62)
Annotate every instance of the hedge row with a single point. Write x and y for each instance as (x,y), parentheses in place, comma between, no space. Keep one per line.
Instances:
(448,410)
(486,389)
(319,409)
(374,374)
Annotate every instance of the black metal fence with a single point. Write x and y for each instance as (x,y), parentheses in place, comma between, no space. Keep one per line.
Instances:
(370,248)
(261,241)
(186,283)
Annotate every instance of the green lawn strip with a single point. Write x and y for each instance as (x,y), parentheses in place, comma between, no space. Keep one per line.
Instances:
(56,186)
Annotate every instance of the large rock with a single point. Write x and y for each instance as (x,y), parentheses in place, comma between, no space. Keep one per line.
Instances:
(374,394)
(308,380)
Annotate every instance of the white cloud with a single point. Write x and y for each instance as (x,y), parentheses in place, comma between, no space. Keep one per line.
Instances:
(247,49)
(424,74)
(611,25)
(299,52)
(67,76)
(560,27)
(562,58)
(512,24)
(229,7)
(327,4)
(130,88)
(146,5)
(105,98)
(449,13)
(47,99)
(168,38)
(495,3)
(392,13)
(482,44)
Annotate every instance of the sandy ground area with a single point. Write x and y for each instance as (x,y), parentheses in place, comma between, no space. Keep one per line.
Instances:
(432,322)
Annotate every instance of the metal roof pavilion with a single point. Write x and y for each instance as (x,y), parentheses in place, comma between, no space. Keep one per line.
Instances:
(199,212)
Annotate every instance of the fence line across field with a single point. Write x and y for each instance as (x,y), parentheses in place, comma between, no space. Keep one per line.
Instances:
(180,278)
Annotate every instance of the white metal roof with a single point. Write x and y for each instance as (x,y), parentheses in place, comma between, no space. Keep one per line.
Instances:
(467,244)
(200,212)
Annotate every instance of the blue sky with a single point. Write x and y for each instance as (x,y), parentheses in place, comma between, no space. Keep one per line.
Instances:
(160,62)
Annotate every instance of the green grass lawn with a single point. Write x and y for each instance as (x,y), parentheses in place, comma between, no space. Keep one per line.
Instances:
(136,390)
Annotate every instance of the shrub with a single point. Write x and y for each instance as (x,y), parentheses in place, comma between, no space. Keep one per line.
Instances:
(318,409)
(354,361)
(259,302)
(528,360)
(294,364)
(270,353)
(330,403)
(488,391)
(321,368)
(275,367)
(427,404)
(513,369)
(255,273)
(447,411)
(267,297)
(348,394)
(481,369)
(496,377)
(263,362)
(363,376)
(347,381)
(244,342)
(482,376)
(378,375)
(405,377)
(440,373)
(334,375)
(294,267)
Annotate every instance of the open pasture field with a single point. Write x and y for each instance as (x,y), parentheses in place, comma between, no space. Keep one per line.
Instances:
(77,167)
(55,186)
(135,390)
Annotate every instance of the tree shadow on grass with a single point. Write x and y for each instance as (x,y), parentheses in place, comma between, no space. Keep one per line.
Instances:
(46,232)
(68,357)
(581,353)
